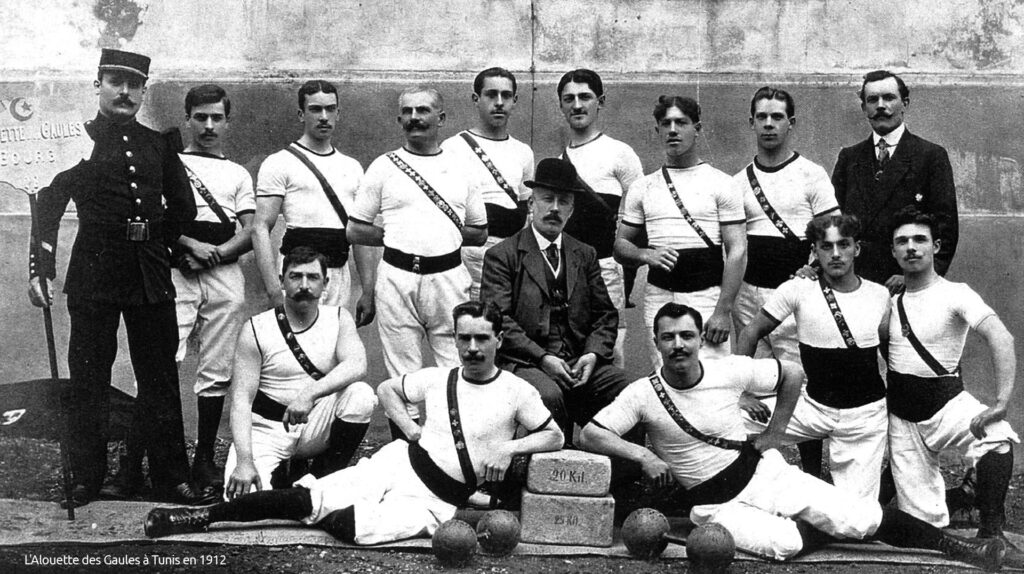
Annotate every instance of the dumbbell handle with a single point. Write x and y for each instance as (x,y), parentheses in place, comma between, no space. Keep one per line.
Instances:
(674,539)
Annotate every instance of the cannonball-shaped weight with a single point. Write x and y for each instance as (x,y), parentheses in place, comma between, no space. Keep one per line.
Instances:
(454,543)
(643,533)
(710,548)
(498,532)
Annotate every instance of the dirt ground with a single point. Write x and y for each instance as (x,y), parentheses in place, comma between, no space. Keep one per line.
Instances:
(29,469)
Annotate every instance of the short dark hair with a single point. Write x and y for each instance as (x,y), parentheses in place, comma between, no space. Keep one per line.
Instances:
(302,254)
(675,311)
(879,75)
(688,106)
(848,226)
(912,214)
(487,309)
(207,94)
(770,93)
(582,76)
(315,87)
(495,72)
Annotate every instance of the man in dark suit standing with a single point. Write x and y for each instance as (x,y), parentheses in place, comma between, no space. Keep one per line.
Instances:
(133,197)
(892,169)
(558,321)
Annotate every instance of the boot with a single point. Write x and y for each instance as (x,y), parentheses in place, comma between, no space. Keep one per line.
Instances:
(128,480)
(986,554)
(205,473)
(168,521)
(994,472)
(344,440)
(184,493)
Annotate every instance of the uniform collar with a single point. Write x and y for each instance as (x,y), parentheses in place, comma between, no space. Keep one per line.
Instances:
(101,126)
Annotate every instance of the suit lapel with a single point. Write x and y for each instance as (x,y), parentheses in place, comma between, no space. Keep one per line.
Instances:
(533,261)
(899,164)
(866,161)
(571,264)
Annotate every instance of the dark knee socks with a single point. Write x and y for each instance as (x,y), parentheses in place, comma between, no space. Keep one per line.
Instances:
(810,456)
(344,440)
(993,471)
(902,530)
(210,410)
(341,524)
(289,503)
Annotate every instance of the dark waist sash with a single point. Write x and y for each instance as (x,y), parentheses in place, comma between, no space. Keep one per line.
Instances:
(214,233)
(436,480)
(772,260)
(728,483)
(326,240)
(842,378)
(422,264)
(917,399)
(695,270)
(267,407)
(504,222)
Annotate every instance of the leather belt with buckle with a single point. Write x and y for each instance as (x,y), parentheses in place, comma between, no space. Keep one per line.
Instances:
(422,264)
(137,231)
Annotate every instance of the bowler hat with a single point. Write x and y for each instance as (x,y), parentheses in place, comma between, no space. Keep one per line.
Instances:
(119,61)
(556,174)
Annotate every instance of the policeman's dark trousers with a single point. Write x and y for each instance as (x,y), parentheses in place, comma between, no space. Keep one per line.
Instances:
(152,341)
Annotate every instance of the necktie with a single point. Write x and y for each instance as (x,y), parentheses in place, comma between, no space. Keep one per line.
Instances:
(552,254)
(883,152)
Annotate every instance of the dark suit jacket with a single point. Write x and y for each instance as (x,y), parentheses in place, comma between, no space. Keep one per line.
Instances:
(514,278)
(918,173)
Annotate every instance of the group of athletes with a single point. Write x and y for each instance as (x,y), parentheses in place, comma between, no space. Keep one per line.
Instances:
(783,305)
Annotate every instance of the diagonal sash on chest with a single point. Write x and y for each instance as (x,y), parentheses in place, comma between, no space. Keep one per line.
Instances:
(293,345)
(666,401)
(498,178)
(590,191)
(457,435)
(773,215)
(837,313)
(925,355)
(682,209)
(204,192)
(332,197)
(427,189)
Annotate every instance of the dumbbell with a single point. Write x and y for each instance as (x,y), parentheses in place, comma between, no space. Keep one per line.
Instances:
(710,547)
(455,541)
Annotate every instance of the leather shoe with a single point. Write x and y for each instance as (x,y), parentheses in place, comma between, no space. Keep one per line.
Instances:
(167,521)
(185,494)
(80,496)
(205,474)
(124,486)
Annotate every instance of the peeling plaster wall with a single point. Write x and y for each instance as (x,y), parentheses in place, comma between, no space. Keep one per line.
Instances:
(963,60)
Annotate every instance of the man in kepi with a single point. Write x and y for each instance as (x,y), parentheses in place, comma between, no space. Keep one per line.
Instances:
(409,488)
(428,210)
(296,391)
(929,410)
(133,197)
(559,323)
(496,163)
(690,409)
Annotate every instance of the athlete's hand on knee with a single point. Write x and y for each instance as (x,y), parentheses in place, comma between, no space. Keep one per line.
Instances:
(242,479)
(985,418)
(298,410)
(496,461)
(716,330)
(894,284)
(366,309)
(657,470)
(662,257)
(758,411)
(583,367)
(35,293)
(806,272)
(558,370)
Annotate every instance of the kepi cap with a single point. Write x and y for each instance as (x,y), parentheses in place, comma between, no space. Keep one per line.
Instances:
(120,61)
(556,174)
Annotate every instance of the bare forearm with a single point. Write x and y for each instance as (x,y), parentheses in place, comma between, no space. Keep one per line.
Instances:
(547,439)
(394,405)
(732,276)
(789,393)
(474,236)
(265,260)
(626,253)
(603,441)
(238,245)
(366,266)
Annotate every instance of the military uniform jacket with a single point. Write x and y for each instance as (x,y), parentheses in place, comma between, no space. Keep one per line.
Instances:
(918,173)
(133,174)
